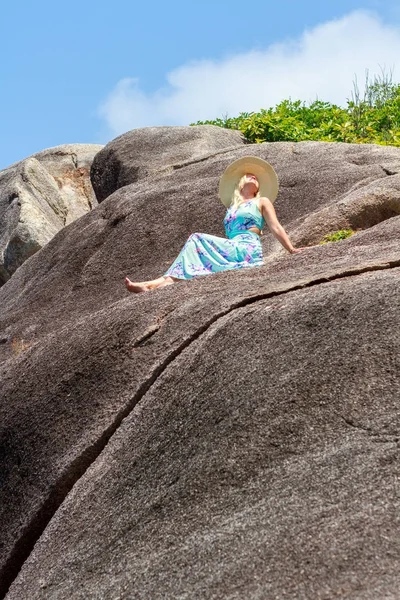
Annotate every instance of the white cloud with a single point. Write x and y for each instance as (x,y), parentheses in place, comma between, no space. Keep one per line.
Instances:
(322,63)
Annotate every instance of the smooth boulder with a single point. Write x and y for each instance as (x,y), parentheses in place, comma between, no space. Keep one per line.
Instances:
(154,151)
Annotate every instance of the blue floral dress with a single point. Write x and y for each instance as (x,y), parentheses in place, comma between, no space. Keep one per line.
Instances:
(203,254)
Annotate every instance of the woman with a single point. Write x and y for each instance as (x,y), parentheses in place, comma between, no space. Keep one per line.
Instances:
(248,188)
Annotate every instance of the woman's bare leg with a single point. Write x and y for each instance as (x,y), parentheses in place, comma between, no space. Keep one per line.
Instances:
(146,286)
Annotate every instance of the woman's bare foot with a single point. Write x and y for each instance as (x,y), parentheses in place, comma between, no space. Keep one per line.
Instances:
(136,288)
(146,286)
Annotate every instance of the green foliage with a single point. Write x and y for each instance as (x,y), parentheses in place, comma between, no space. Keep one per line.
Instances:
(374,118)
(336,236)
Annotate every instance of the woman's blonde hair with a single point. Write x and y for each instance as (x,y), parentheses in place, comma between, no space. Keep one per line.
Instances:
(237,197)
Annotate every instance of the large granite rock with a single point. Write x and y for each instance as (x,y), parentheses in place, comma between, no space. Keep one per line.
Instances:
(235,436)
(153,151)
(38,197)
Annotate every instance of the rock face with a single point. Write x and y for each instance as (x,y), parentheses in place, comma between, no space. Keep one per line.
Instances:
(236,436)
(38,197)
(154,151)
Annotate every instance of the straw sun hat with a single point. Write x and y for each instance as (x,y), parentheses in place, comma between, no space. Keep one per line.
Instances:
(267,178)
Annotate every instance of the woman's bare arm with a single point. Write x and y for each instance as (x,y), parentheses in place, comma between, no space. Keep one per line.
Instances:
(268,212)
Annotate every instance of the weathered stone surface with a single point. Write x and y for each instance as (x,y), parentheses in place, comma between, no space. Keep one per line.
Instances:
(39,196)
(241,430)
(264,462)
(152,151)
(359,209)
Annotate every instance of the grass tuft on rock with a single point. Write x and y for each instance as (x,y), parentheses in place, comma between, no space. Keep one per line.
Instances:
(336,236)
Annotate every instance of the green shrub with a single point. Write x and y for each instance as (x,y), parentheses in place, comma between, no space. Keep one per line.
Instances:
(375,118)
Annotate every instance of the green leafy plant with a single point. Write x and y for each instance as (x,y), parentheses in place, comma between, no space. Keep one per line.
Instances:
(336,236)
(371,118)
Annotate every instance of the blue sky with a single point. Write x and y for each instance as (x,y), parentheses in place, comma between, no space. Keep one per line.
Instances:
(86,71)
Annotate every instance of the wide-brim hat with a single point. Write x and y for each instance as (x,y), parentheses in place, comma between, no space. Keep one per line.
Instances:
(267,178)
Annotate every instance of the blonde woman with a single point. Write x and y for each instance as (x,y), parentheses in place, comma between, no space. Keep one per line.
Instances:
(248,188)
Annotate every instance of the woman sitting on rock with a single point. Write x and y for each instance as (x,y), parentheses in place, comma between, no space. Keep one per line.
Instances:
(248,188)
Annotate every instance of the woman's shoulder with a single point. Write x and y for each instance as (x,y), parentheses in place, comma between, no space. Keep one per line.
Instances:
(264,200)
(265,203)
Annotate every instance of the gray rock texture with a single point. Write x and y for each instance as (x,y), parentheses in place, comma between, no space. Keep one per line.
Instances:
(236,436)
(154,151)
(38,197)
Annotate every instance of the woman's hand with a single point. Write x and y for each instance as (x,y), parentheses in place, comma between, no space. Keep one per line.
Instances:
(296,250)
